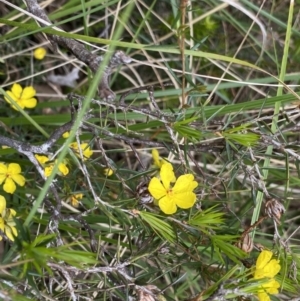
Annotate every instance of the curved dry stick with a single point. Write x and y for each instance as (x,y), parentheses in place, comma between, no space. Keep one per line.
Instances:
(92,60)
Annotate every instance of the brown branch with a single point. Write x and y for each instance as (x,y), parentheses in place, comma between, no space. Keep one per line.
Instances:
(92,60)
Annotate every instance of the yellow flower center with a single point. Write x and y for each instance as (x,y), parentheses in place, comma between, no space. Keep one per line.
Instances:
(170,192)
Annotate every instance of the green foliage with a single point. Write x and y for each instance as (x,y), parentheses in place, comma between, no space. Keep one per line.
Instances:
(160,227)
(210,92)
(241,135)
(207,219)
(224,244)
(35,253)
(184,128)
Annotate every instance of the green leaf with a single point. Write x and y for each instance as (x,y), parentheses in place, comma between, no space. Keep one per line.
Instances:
(245,139)
(160,227)
(225,244)
(74,257)
(43,239)
(207,219)
(241,135)
(184,128)
(188,132)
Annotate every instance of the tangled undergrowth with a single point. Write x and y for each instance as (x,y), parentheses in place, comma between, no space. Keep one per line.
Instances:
(164,166)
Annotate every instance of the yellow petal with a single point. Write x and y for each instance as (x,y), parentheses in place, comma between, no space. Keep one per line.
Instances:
(1,224)
(3,172)
(10,213)
(272,268)
(108,172)
(14,168)
(9,186)
(167,175)
(2,204)
(192,185)
(155,156)
(42,159)
(14,231)
(185,183)
(184,200)
(28,92)
(66,134)
(74,202)
(20,103)
(74,199)
(156,188)
(11,96)
(167,205)
(17,91)
(3,169)
(2,178)
(168,165)
(259,274)
(263,297)
(78,196)
(19,179)
(8,233)
(48,170)
(63,169)
(87,152)
(28,103)
(271,286)
(263,258)
(73,145)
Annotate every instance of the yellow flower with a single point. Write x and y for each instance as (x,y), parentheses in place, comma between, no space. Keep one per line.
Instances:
(156,158)
(24,97)
(39,53)
(7,224)
(169,198)
(74,199)
(10,174)
(108,172)
(86,151)
(266,267)
(66,135)
(42,159)
(63,170)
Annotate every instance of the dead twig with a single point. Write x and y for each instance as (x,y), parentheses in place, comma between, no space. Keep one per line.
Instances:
(92,60)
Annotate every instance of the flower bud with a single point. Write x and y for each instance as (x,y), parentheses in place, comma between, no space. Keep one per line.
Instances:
(274,209)
(245,243)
